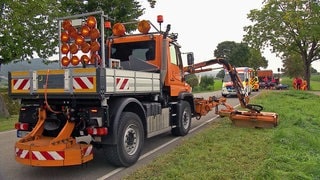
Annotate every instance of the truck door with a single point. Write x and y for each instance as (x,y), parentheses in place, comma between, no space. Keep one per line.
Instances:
(175,71)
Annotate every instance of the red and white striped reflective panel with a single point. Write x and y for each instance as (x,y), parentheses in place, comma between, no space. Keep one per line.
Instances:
(21,84)
(48,155)
(82,83)
(22,153)
(122,83)
(87,151)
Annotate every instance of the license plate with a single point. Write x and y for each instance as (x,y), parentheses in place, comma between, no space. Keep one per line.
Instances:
(21,134)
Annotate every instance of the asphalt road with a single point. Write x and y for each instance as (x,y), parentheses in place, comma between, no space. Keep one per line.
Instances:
(98,168)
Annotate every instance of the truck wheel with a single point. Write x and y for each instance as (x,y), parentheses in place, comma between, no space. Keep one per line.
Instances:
(184,120)
(129,143)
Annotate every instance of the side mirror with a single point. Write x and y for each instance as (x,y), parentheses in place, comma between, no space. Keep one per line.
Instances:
(190,58)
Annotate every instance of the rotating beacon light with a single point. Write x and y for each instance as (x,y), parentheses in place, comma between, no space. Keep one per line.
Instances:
(160,20)
(118,29)
(144,26)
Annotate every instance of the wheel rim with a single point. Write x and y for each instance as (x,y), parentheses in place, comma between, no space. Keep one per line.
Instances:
(131,139)
(186,120)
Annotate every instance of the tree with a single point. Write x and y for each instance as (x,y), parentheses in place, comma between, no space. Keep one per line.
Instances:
(256,60)
(119,10)
(240,54)
(293,66)
(287,27)
(192,80)
(224,49)
(313,70)
(220,74)
(207,82)
(29,27)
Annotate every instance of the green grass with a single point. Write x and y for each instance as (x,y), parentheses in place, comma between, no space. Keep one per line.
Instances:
(7,123)
(314,81)
(217,84)
(222,151)
(13,106)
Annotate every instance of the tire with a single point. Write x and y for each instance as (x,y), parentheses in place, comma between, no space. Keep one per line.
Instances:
(129,143)
(184,120)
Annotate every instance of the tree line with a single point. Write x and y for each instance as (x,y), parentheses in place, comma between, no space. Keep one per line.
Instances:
(289,28)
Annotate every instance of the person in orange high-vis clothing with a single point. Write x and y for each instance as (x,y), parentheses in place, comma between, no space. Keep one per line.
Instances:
(294,83)
(304,85)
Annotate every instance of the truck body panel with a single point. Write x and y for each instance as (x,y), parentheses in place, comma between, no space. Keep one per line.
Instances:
(83,82)
(264,73)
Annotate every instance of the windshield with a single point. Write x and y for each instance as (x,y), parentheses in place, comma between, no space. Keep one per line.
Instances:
(143,50)
(228,79)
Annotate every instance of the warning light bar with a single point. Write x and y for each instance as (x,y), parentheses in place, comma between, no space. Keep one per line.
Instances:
(79,37)
(143,27)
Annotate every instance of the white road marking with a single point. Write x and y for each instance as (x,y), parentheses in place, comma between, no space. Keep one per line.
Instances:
(106,176)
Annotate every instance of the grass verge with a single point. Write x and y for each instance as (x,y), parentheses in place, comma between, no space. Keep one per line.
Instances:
(314,81)
(289,151)
(7,123)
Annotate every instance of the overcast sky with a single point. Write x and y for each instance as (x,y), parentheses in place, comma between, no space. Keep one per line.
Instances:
(201,25)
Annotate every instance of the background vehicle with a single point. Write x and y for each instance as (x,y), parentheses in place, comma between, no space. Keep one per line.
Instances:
(246,76)
(254,82)
(265,78)
(112,95)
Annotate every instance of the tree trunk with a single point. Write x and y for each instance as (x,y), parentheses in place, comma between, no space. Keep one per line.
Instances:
(3,108)
(307,65)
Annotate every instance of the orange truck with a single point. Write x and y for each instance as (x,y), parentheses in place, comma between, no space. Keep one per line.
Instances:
(265,77)
(264,73)
(112,92)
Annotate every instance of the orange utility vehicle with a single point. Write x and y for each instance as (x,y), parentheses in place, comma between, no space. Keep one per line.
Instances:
(112,92)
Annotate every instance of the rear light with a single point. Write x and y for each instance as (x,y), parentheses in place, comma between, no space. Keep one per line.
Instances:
(74,60)
(100,131)
(65,61)
(74,48)
(94,34)
(95,58)
(95,46)
(85,30)
(94,110)
(79,40)
(91,21)
(64,37)
(85,47)
(65,48)
(73,32)
(66,24)
(85,59)
(21,126)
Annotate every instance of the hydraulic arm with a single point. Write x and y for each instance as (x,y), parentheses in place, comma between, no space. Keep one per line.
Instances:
(254,117)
